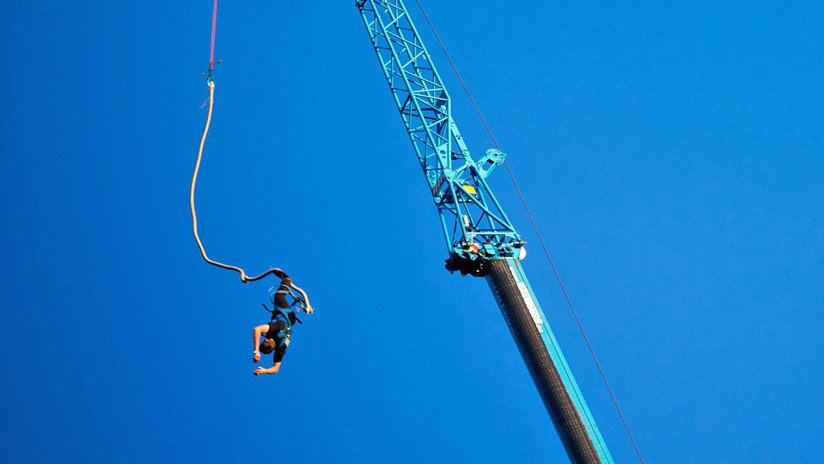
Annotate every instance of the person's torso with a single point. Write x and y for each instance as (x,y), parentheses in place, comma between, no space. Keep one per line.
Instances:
(279,329)
(286,315)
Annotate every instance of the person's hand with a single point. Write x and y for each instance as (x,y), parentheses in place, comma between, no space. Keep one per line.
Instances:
(259,371)
(309,310)
(256,357)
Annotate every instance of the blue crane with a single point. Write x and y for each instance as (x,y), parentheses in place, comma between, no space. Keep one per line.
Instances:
(480,239)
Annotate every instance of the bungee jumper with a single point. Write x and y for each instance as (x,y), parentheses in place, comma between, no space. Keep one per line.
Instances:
(278,332)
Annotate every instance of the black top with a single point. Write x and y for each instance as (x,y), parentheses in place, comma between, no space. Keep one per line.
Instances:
(274,328)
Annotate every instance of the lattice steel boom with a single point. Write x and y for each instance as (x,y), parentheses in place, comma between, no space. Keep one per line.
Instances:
(480,239)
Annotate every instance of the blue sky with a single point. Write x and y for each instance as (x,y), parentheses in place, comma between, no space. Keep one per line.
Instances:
(672,155)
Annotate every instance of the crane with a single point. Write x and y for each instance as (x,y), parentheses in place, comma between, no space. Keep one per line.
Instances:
(480,239)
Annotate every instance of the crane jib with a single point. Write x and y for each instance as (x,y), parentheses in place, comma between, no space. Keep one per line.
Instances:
(481,240)
(546,363)
(469,210)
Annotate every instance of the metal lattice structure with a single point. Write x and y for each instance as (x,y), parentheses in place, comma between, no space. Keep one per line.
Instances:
(480,239)
(474,223)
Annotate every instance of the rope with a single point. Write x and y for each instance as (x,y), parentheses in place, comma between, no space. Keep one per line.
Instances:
(212,47)
(537,233)
(211,84)
(243,277)
(307,308)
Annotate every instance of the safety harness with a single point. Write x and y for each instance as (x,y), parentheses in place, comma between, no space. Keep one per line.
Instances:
(286,314)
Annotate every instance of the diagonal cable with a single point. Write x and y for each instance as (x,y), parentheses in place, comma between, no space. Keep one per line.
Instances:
(537,233)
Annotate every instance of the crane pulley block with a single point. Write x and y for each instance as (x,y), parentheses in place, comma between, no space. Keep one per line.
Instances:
(471,258)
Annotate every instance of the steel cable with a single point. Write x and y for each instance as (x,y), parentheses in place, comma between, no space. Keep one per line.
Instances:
(537,233)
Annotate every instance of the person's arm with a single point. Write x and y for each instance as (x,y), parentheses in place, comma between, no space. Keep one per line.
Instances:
(256,333)
(271,370)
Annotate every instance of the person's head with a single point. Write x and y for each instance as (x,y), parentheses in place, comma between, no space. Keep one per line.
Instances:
(267,346)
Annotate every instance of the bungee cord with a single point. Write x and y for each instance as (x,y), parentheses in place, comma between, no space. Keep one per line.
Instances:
(210,82)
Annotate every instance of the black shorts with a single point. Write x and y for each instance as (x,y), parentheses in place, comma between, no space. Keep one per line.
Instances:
(282,342)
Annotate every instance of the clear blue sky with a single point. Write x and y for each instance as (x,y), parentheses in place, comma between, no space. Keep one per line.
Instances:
(673,155)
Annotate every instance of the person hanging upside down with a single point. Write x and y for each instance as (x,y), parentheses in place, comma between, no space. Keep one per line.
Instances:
(278,331)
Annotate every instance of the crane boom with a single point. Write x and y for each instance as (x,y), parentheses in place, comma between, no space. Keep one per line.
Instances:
(481,241)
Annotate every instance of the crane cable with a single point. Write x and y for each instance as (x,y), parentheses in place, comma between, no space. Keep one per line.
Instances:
(210,82)
(537,233)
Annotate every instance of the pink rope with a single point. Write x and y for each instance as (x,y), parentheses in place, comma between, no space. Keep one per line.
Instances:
(214,28)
